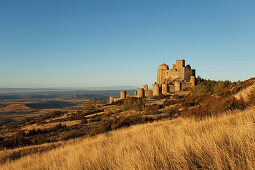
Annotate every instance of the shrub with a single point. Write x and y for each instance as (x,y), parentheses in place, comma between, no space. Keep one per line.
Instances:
(188,112)
(200,90)
(161,96)
(132,103)
(221,88)
(84,121)
(190,100)
(73,134)
(169,102)
(126,121)
(203,87)
(152,109)
(172,111)
(103,127)
(176,97)
(19,139)
(95,118)
(216,106)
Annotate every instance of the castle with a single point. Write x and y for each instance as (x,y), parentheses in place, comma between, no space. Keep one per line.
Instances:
(180,78)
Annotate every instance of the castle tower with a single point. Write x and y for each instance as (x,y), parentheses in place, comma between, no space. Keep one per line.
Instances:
(177,86)
(180,64)
(148,93)
(140,92)
(193,72)
(174,66)
(155,89)
(145,87)
(165,89)
(193,80)
(111,100)
(160,72)
(123,94)
(135,93)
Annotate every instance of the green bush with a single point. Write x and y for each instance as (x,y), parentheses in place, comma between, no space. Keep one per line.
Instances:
(200,90)
(221,87)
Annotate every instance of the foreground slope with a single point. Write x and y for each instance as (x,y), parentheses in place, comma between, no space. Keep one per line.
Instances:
(227,141)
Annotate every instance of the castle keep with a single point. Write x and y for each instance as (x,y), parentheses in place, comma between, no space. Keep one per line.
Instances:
(180,78)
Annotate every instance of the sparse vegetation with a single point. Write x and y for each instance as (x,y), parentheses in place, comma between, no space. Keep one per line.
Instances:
(205,87)
(225,142)
(94,117)
(133,103)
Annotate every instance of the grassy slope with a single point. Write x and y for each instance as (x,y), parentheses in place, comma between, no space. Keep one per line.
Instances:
(225,142)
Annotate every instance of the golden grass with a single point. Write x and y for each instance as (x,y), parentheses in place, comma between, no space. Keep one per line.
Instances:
(50,125)
(225,142)
(244,93)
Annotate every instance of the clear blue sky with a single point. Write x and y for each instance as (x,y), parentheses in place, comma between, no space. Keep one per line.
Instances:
(81,43)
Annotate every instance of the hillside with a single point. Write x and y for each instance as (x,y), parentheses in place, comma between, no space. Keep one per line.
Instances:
(173,125)
(224,142)
(93,116)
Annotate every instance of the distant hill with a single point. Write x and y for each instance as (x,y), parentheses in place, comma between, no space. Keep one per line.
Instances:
(113,88)
(6,94)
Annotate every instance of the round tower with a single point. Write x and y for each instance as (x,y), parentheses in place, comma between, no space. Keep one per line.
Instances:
(135,93)
(140,92)
(155,89)
(145,87)
(193,80)
(123,94)
(160,72)
(111,99)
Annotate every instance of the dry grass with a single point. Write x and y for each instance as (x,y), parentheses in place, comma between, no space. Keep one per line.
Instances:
(225,142)
(244,93)
(50,125)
